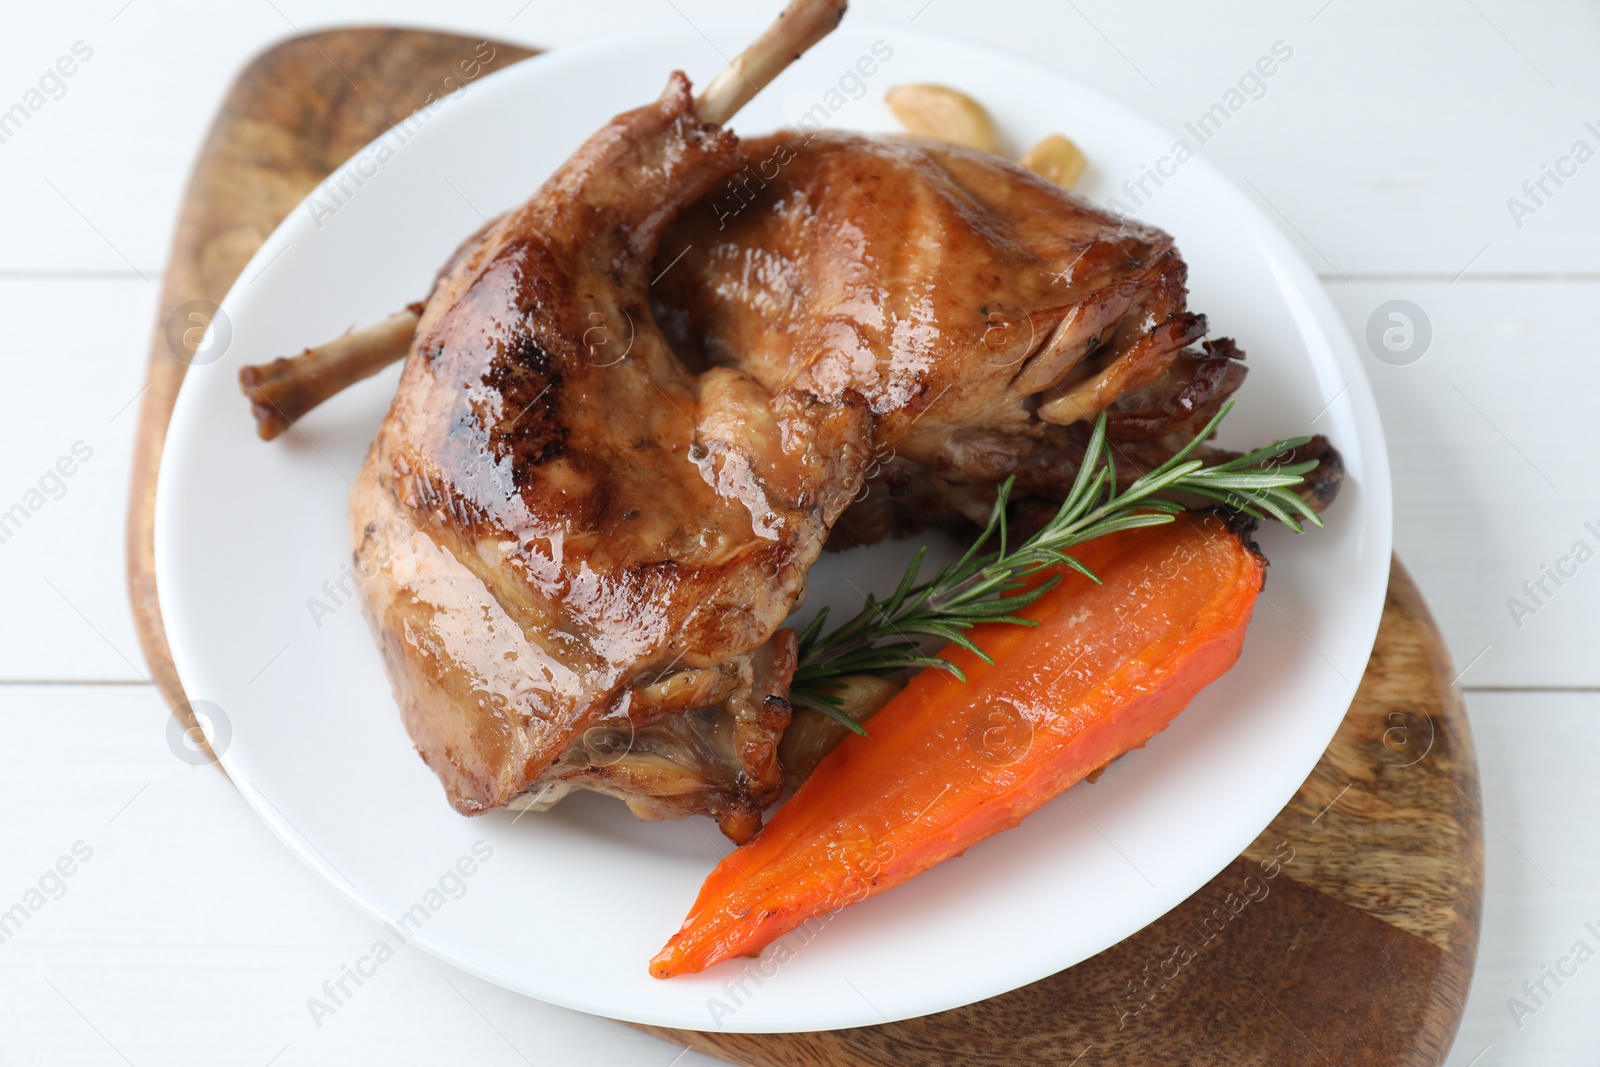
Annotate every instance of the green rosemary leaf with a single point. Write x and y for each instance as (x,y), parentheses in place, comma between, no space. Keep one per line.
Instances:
(1200,438)
(809,635)
(907,583)
(830,706)
(1256,458)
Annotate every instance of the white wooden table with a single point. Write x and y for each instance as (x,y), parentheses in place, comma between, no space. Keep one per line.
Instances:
(1388,147)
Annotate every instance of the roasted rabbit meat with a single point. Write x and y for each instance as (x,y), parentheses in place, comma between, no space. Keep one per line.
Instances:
(635,409)
(987,315)
(584,551)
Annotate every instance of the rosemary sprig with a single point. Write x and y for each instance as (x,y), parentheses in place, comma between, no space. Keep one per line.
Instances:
(989,585)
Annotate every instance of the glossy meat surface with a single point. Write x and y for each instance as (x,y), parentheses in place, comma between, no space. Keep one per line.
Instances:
(636,407)
(986,315)
(572,532)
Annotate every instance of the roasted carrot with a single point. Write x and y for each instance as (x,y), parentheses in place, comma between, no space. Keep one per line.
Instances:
(947,763)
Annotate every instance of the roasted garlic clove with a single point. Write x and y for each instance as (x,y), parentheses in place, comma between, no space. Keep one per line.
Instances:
(813,734)
(944,114)
(1057,159)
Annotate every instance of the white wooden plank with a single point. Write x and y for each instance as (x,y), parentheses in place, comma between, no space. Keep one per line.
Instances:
(75,362)
(191,936)
(1536,753)
(1390,142)
(1491,483)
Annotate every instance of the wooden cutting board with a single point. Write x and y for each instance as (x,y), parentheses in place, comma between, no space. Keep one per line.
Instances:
(1344,935)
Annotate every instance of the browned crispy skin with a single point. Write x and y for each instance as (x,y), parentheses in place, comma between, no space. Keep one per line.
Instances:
(570,529)
(585,537)
(986,315)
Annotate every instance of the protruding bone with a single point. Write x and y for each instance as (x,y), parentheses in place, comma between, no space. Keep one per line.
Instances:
(799,26)
(285,389)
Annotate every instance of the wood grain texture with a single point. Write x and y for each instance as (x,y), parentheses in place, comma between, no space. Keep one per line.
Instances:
(294,114)
(1390,820)
(1346,933)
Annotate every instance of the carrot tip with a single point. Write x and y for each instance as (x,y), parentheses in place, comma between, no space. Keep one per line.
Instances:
(672,961)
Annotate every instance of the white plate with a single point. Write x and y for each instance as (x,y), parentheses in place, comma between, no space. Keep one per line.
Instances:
(571,904)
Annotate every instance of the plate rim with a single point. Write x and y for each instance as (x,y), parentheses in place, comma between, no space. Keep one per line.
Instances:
(1377,493)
